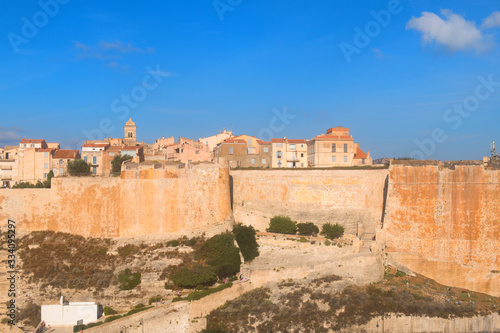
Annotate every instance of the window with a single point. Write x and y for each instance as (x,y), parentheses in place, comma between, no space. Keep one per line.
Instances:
(45,154)
(334,159)
(249,150)
(61,171)
(279,145)
(111,154)
(85,158)
(345,159)
(292,147)
(206,143)
(230,150)
(301,146)
(45,175)
(301,165)
(294,157)
(302,155)
(46,165)
(94,170)
(130,134)
(94,159)
(252,161)
(60,162)
(363,161)
(249,142)
(197,152)
(32,146)
(54,170)
(334,147)
(279,154)
(266,149)
(264,161)
(345,147)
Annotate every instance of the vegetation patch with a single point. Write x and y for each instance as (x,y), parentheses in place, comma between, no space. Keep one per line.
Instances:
(332,231)
(196,295)
(282,225)
(129,280)
(307,229)
(247,242)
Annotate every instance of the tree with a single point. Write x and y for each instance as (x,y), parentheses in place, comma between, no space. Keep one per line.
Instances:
(245,237)
(307,229)
(282,225)
(78,168)
(332,231)
(221,253)
(116,163)
(48,182)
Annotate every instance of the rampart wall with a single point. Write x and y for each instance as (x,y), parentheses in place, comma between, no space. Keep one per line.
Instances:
(444,222)
(142,202)
(353,198)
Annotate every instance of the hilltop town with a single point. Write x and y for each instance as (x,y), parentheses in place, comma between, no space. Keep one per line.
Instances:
(33,159)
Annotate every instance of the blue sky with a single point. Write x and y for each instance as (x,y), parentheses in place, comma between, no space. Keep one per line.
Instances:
(190,68)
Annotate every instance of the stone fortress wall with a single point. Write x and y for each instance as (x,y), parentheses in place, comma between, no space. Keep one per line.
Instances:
(439,220)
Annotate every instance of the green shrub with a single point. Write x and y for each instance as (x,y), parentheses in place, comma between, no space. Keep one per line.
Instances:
(108,311)
(78,167)
(191,277)
(128,250)
(400,273)
(173,243)
(307,229)
(332,231)
(196,295)
(154,299)
(129,280)
(303,240)
(328,243)
(282,225)
(139,306)
(109,319)
(221,253)
(189,242)
(245,237)
(131,312)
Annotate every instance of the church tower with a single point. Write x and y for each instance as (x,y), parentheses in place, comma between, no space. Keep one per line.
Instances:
(130,133)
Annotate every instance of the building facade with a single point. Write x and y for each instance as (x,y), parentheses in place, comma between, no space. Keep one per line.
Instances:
(289,153)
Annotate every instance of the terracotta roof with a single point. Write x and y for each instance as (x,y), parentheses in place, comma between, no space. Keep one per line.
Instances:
(337,129)
(96,145)
(112,149)
(66,153)
(130,122)
(131,147)
(44,150)
(260,142)
(360,154)
(278,140)
(32,141)
(296,141)
(333,137)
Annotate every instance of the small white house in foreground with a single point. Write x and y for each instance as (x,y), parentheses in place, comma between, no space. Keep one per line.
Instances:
(69,313)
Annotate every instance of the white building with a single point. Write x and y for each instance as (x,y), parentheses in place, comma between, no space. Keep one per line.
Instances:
(69,313)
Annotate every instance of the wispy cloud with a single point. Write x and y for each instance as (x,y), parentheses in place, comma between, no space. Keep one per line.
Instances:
(9,135)
(453,32)
(377,53)
(492,21)
(109,52)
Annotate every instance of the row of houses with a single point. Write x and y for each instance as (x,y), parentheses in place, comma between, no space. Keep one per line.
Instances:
(336,148)
(33,159)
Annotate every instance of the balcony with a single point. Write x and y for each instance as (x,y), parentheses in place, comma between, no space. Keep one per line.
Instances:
(293,159)
(5,177)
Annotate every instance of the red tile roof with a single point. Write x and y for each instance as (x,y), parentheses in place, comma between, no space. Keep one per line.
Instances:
(66,153)
(131,147)
(32,141)
(95,145)
(278,140)
(360,154)
(112,149)
(296,141)
(333,137)
(260,142)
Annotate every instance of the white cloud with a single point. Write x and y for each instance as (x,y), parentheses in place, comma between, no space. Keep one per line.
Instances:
(9,134)
(492,21)
(377,53)
(452,31)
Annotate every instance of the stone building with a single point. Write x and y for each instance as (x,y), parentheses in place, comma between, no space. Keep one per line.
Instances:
(212,141)
(34,161)
(187,151)
(92,153)
(336,148)
(60,161)
(130,133)
(243,151)
(289,153)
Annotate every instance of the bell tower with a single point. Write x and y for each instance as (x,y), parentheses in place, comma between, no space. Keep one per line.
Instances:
(130,133)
